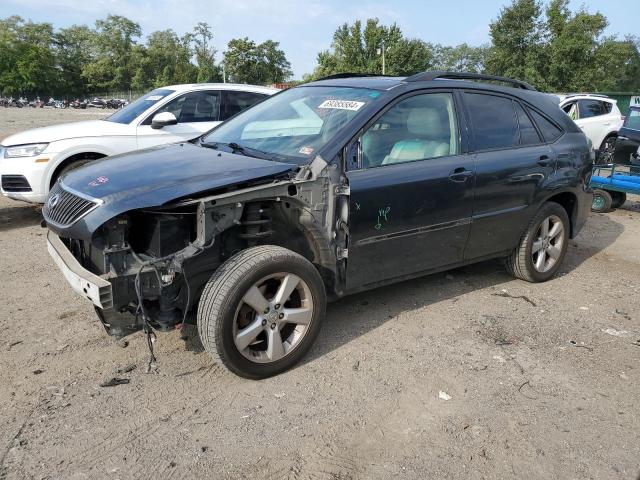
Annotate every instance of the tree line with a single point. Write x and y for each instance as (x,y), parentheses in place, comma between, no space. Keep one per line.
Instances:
(36,59)
(544,43)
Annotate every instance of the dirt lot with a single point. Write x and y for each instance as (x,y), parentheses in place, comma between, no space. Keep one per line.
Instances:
(543,379)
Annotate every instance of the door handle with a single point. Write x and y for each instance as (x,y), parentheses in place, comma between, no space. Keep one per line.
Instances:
(545,161)
(460,174)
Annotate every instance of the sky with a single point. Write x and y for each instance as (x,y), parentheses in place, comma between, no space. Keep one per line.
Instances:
(304,27)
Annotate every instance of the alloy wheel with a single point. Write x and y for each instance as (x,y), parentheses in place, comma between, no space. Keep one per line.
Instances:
(548,244)
(273,317)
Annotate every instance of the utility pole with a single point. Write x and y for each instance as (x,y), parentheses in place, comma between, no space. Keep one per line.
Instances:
(224,74)
(382,51)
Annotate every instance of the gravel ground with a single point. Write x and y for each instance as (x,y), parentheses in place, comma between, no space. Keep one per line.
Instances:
(465,374)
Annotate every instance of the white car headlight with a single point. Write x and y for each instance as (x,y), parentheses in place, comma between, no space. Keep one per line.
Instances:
(29,150)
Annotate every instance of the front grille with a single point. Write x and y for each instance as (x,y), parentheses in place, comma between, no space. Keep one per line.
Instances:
(15,183)
(64,208)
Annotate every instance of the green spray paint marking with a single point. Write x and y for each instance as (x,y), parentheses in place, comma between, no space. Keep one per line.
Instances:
(383,215)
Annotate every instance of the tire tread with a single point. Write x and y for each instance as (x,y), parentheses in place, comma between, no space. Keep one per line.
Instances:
(219,288)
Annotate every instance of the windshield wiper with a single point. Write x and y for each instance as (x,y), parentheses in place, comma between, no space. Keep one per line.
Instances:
(246,151)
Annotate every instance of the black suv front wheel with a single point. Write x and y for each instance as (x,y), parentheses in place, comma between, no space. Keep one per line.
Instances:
(261,311)
(543,245)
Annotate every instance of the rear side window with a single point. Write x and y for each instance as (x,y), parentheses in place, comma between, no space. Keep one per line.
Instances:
(528,133)
(633,119)
(235,102)
(549,131)
(590,108)
(494,121)
(608,106)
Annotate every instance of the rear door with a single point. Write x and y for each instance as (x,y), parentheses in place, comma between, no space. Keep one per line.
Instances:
(594,120)
(411,193)
(197,113)
(512,164)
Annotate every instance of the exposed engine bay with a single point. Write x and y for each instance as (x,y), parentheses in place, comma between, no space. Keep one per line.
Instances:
(158,259)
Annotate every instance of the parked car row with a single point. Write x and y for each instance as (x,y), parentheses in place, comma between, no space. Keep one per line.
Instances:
(333,187)
(96,102)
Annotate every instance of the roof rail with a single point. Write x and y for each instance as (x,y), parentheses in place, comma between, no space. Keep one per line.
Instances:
(428,76)
(348,74)
(569,95)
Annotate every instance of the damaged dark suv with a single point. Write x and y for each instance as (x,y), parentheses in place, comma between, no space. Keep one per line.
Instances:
(330,188)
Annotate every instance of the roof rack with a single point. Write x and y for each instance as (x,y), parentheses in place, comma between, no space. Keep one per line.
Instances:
(428,76)
(348,74)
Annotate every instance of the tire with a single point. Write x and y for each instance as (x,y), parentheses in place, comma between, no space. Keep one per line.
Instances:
(521,263)
(617,199)
(602,201)
(223,308)
(606,151)
(72,166)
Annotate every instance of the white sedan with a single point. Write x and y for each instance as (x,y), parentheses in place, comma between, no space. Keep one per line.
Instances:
(31,161)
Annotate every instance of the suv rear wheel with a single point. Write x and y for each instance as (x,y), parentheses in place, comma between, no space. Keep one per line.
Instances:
(606,151)
(261,311)
(543,245)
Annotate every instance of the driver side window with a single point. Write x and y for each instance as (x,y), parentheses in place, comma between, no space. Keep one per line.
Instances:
(417,128)
(201,106)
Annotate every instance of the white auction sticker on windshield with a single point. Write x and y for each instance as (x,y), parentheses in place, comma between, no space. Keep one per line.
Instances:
(154,98)
(342,105)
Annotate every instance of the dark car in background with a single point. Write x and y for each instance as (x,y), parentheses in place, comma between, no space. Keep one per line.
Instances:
(330,188)
(627,148)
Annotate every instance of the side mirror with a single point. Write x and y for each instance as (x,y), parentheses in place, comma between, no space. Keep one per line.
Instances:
(163,119)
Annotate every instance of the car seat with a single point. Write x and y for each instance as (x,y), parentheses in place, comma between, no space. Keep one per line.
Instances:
(430,138)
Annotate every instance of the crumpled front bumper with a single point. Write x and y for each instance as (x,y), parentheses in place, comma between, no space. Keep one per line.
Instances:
(81,280)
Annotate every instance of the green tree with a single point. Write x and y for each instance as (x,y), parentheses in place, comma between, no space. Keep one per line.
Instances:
(113,67)
(359,50)
(247,62)
(461,58)
(27,57)
(205,53)
(169,59)
(518,49)
(74,50)
(572,47)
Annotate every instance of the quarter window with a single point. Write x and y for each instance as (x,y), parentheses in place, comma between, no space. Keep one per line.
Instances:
(528,133)
(417,128)
(494,121)
(549,131)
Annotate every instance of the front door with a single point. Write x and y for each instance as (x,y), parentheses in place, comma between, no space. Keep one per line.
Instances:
(196,112)
(412,195)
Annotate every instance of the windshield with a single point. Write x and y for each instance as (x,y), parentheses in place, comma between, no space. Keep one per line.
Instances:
(129,113)
(633,119)
(294,124)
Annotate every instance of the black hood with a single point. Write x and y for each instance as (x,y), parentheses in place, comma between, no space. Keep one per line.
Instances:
(154,177)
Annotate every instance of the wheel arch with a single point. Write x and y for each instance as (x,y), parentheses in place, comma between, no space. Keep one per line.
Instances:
(87,155)
(609,134)
(568,201)
(304,237)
